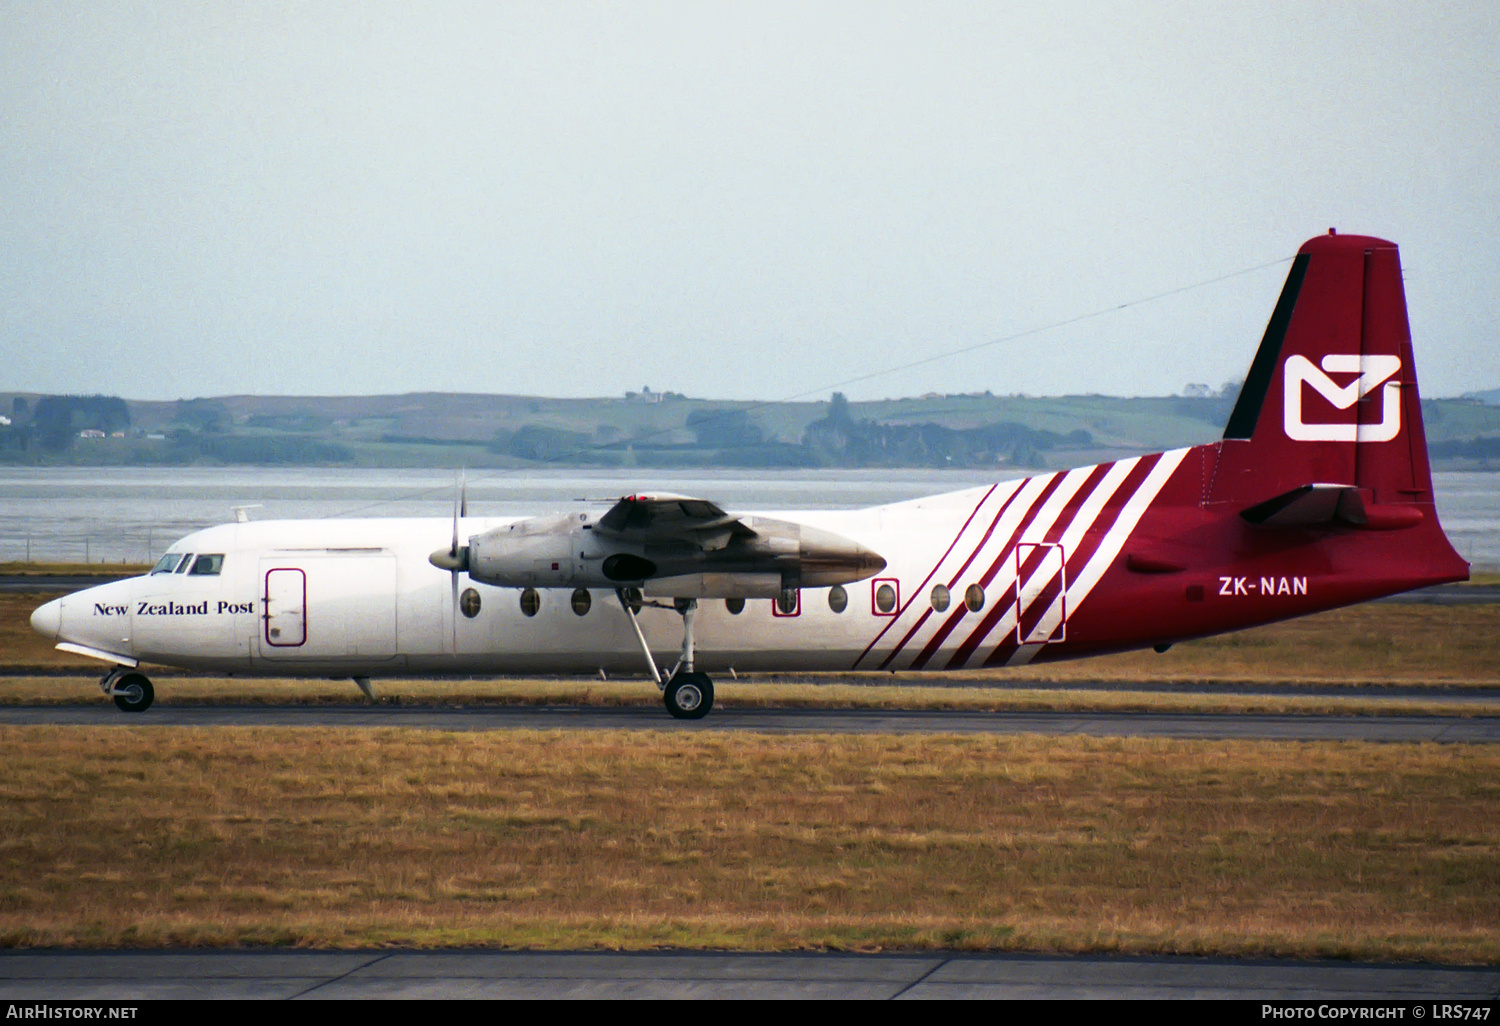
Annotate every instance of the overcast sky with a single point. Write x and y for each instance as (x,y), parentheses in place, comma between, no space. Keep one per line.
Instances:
(731,200)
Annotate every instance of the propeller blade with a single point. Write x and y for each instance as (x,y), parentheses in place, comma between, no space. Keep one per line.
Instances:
(460,509)
(457,512)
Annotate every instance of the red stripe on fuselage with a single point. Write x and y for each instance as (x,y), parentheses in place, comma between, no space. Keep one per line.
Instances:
(922,587)
(1036,502)
(1061,519)
(999,515)
(1087,546)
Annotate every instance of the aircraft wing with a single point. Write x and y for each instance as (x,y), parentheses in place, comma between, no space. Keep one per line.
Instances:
(675,544)
(664,518)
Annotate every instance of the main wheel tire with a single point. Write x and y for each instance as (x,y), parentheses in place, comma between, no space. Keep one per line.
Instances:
(689,696)
(134,693)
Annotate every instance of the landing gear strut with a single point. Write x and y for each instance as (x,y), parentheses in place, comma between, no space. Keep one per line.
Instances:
(688,695)
(131,691)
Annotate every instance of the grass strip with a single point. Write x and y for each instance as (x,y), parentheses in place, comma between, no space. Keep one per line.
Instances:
(616,840)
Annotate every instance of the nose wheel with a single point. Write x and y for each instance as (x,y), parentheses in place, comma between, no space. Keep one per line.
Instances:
(131,691)
(689,696)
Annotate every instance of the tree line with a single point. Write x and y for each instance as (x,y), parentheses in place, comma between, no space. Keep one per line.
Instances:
(729,436)
(56,420)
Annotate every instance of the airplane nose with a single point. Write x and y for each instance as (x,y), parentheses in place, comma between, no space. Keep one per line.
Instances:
(47,619)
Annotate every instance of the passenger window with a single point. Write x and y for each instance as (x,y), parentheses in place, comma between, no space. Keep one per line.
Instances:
(531,602)
(838,598)
(187,561)
(469,603)
(207,565)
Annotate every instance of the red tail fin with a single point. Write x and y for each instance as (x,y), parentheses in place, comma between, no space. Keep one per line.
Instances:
(1331,398)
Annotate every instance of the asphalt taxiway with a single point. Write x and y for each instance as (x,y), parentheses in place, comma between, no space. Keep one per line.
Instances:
(1241,726)
(303,975)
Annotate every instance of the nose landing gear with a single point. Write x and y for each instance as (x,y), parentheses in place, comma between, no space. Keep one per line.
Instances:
(131,690)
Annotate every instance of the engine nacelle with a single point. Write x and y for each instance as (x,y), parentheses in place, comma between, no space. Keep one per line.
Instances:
(565,551)
(540,552)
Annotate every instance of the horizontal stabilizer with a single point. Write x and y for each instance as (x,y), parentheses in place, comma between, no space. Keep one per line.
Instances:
(1313,504)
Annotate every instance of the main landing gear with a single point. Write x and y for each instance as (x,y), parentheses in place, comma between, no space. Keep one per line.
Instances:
(688,695)
(131,691)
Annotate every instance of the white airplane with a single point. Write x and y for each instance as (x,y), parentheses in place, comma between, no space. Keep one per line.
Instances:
(1318,496)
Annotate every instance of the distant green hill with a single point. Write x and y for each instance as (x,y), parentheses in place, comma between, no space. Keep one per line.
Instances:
(662,430)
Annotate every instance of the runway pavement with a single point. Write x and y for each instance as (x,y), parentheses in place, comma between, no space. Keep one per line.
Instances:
(1244,726)
(298,975)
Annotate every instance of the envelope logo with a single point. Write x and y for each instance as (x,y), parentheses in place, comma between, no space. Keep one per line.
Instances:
(1372,371)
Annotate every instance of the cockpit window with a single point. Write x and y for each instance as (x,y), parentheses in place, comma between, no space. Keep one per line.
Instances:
(169,562)
(208,565)
(187,561)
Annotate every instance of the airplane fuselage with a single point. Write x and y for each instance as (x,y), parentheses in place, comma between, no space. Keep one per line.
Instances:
(1096,559)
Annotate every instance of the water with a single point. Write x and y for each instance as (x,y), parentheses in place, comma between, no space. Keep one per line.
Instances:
(1469,506)
(131,514)
(115,514)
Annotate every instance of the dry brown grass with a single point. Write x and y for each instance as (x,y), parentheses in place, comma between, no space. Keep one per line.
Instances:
(160,836)
(1380,642)
(140,836)
(22,646)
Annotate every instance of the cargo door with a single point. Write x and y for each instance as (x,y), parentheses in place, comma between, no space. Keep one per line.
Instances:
(1041,594)
(284,608)
(333,605)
